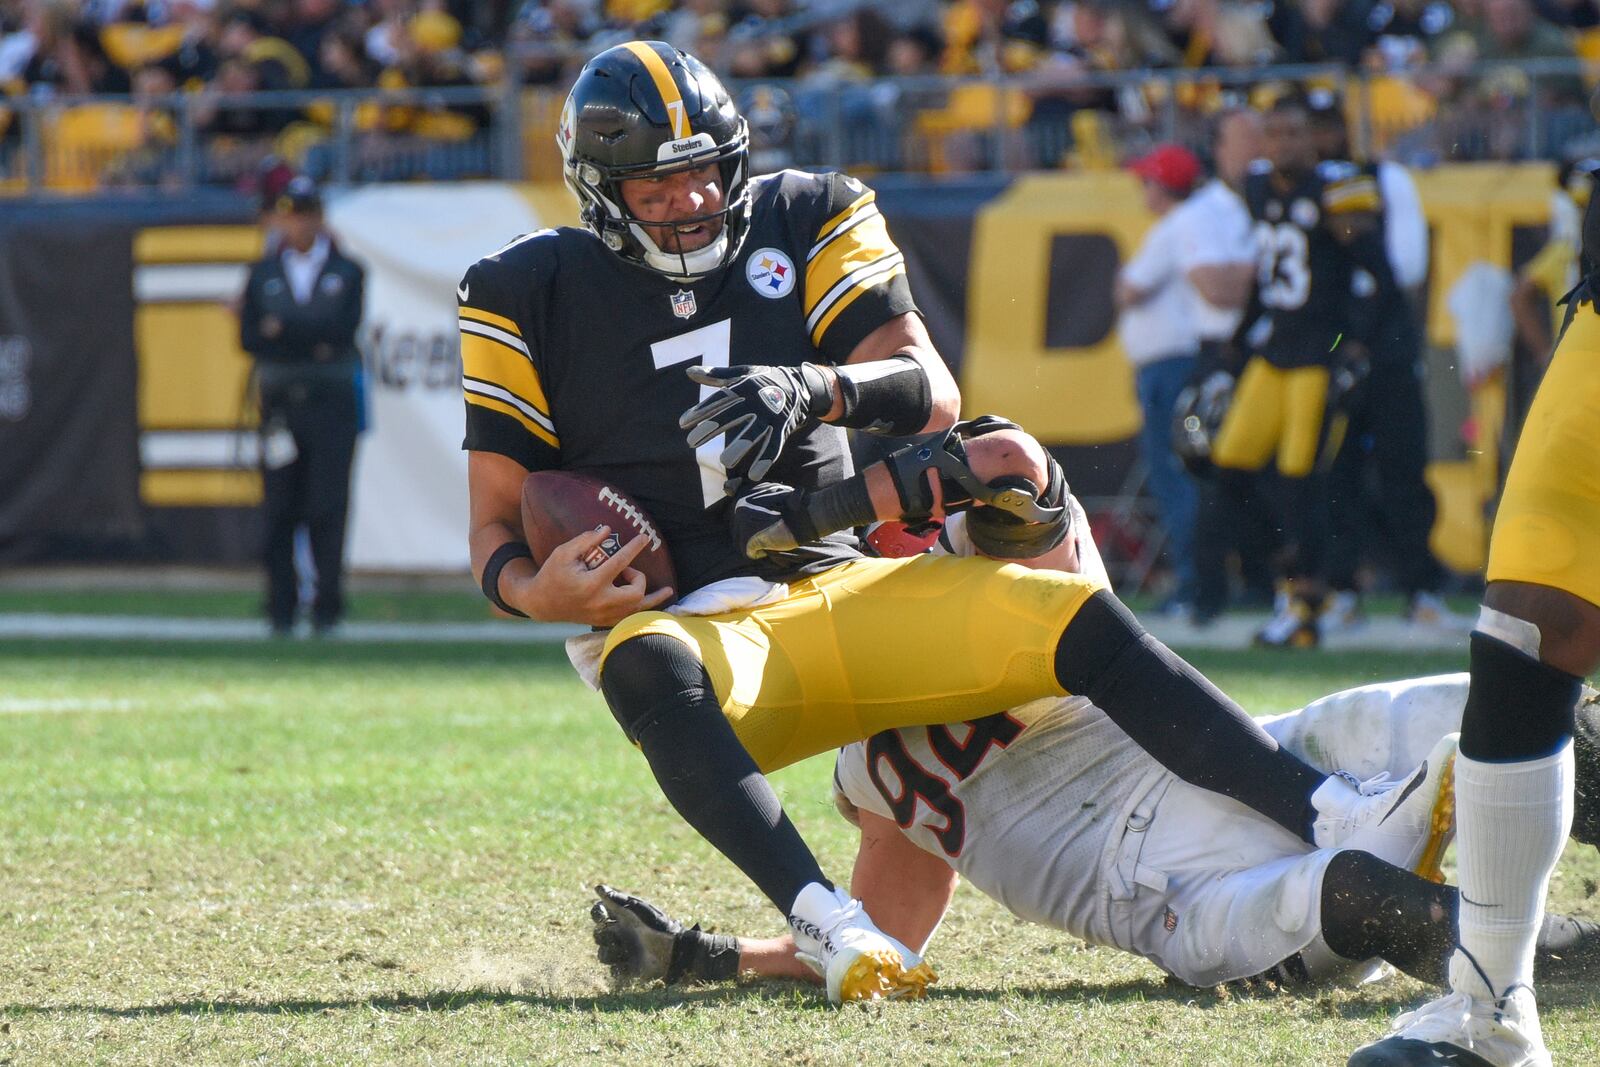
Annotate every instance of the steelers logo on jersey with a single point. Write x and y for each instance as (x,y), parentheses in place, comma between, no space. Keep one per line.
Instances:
(771,273)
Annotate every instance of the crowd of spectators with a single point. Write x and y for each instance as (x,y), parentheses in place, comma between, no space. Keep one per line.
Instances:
(153,49)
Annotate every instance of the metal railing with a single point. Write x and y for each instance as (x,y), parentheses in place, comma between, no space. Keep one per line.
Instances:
(184,140)
(938,125)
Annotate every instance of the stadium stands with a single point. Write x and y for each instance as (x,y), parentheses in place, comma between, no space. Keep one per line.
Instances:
(188,93)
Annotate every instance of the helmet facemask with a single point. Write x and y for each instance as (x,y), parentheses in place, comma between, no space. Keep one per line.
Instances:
(606,213)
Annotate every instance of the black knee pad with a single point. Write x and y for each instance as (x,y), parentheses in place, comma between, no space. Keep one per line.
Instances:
(1517,707)
(646,677)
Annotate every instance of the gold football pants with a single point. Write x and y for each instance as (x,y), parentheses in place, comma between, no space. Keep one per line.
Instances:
(1547,530)
(1275,412)
(876,644)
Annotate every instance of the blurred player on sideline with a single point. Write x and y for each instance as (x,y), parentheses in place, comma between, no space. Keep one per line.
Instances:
(1387,432)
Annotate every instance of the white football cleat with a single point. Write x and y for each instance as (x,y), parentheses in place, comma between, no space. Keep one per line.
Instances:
(1404,821)
(1429,610)
(1458,1030)
(1341,613)
(834,936)
(1293,624)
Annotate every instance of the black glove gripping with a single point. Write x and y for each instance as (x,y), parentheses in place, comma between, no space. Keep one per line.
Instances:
(640,942)
(759,409)
(772,519)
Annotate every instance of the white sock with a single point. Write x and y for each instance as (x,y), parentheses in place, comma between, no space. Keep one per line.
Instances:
(1512,821)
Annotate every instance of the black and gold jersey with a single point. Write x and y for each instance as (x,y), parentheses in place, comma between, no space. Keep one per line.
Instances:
(574,359)
(1308,284)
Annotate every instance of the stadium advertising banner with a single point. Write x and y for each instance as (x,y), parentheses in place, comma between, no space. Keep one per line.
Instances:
(409,497)
(70,377)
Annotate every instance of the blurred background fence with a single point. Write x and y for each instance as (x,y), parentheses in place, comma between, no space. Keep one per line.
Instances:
(1084,120)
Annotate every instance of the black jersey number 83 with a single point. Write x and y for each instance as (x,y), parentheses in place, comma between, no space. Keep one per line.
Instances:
(1283,265)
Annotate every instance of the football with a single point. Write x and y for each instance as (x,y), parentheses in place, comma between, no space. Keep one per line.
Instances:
(559,505)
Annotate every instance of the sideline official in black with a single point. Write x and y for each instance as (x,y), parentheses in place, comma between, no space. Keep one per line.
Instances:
(298,320)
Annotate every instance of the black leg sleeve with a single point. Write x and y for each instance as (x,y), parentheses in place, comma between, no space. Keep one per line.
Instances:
(1400,456)
(661,695)
(1179,717)
(1372,908)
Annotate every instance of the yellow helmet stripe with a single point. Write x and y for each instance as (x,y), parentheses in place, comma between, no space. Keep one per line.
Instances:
(677,114)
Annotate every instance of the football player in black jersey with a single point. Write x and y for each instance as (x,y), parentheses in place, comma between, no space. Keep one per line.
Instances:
(1386,441)
(707,333)
(1313,317)
(1537,637)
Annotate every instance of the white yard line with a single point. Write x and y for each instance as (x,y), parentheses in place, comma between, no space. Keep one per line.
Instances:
(65,705)
(1228,632)
(155,628)
(1375,635)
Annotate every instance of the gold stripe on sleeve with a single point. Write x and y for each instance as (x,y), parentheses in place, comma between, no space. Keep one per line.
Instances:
(489,318)
(838,220)
(1359,194)
(866,243)
(489,403)
(872,282)
(490,361)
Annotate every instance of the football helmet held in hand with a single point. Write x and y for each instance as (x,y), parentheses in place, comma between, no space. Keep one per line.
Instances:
(1197,417)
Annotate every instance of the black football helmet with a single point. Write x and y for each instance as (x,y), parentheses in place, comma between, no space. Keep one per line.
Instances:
(1197,417)
(646,108)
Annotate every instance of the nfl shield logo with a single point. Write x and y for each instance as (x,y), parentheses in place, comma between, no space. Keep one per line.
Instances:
(683,304)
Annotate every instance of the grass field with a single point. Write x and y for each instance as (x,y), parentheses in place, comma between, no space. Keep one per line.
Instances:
(319,853)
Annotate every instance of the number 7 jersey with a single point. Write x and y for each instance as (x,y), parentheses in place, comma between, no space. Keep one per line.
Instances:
(574,359)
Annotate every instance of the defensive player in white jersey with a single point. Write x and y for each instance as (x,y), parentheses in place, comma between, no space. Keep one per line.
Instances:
(1052,811)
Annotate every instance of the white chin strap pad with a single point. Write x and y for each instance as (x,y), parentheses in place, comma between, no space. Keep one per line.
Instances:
(699,262)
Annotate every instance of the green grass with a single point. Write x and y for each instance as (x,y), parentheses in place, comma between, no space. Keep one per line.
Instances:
(463,605)
(226,853)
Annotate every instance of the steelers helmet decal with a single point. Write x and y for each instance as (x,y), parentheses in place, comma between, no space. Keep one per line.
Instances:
(646,109)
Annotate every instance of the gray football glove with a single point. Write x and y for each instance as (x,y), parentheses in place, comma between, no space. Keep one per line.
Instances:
(641,943)
(759,408)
